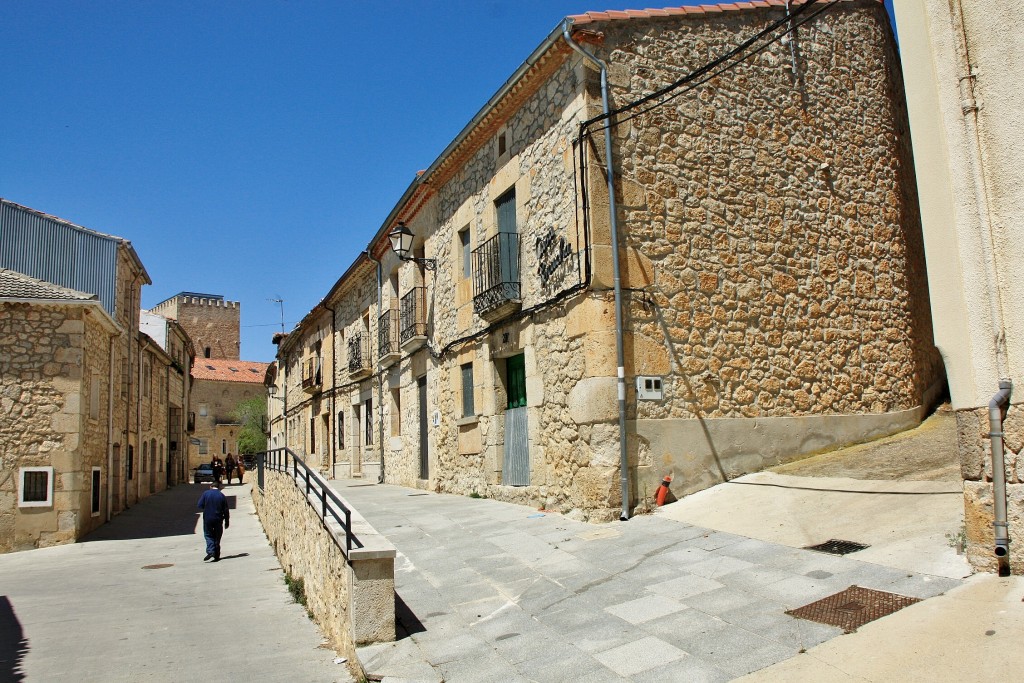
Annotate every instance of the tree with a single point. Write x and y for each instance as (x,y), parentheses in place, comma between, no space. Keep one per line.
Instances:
(252,415)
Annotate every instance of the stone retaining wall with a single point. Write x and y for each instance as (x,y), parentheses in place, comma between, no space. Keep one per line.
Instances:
(351,600)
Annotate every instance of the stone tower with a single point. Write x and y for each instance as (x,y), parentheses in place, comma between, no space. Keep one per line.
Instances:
(213,323)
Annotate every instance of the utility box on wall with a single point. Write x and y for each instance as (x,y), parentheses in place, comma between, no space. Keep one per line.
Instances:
(649,388)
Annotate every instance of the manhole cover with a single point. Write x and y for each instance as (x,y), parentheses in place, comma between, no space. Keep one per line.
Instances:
(834,546)
(852,608)
(158,566)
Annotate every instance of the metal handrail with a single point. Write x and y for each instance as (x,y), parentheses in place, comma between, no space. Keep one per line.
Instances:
(286,461)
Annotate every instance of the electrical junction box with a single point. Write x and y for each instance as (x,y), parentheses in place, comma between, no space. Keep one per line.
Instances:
(649,388)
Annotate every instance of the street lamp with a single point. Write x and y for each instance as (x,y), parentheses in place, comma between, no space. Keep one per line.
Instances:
(401,241)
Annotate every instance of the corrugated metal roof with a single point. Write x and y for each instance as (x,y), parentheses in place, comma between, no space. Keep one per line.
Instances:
(60,252)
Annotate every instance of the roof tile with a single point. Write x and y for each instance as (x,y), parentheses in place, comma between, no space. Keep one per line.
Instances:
(221,370)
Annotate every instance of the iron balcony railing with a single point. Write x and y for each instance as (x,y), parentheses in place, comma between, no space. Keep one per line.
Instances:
(496,284)
(312,373)
(358,354)
(327,504)
(414,314)
(387,333)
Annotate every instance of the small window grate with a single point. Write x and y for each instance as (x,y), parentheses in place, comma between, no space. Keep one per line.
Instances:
(834,546)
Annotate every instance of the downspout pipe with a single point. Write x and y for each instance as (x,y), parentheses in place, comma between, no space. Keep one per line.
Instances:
(380,378)
(613,221)
(996,410)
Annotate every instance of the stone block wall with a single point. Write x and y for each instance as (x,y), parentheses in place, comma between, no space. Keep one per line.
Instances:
(210,323)
(976,469)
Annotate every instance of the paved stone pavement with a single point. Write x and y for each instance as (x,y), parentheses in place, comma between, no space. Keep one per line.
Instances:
(489,591)
(92,611)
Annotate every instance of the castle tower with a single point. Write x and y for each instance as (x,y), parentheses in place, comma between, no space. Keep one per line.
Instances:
(213,323)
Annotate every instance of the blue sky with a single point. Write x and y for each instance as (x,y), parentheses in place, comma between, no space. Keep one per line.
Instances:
(249,149)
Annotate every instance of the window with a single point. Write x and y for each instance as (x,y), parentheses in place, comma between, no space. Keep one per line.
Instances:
(161,461)
(203,410)
(341,429)
(312,435)
(204,447)
(96,492)
(206,352)
(131,461)
(223,446)
(145,455)
(465,253)
(502,143)
(368,421)
(36,487)
(468,409)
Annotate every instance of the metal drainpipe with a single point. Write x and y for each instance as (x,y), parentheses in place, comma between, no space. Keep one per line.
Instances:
(380,383)
(612,217)
(996,406)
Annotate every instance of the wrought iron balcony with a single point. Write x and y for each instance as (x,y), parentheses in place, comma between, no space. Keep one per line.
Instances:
(312,374)
(414,318)
(497,289)
(387,337)
(358,356)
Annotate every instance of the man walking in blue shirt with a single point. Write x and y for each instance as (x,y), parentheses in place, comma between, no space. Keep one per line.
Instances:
(216,518)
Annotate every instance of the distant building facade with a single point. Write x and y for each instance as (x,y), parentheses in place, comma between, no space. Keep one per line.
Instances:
(773,292)
(213,323)
(72,367)
(218,386)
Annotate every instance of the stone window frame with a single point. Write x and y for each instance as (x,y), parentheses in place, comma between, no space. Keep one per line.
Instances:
(48,502)
(464,251)
(468,402)
(502,145)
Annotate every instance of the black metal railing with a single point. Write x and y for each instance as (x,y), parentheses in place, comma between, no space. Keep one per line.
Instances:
(284,460)
(496,273)
(414,314)
(387,333)
(358,355)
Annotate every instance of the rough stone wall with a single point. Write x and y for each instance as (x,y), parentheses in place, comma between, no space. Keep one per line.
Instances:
(209,323)
(307,551)
(976,468)
(94,437)
(776,217)
(48,356)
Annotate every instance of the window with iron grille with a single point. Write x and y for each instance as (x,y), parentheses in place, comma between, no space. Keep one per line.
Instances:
(368,421)
(341,429)
(468,408)
(36,487)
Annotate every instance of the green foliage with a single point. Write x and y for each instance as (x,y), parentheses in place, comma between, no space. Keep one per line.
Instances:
(297,588)
(252,415)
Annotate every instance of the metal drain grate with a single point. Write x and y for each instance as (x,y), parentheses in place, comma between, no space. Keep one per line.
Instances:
(834,546)
(852,608)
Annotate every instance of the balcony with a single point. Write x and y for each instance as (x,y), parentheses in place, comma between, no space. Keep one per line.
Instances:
(414,319)
(312,375)
(387,337)
(497,290)
(359,356)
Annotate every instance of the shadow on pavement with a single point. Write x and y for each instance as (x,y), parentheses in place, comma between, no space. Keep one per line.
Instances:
(13,644)
(406,621)
(233,557)
(168,513)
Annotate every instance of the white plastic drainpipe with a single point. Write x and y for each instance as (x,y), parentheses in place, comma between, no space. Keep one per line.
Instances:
(619,350)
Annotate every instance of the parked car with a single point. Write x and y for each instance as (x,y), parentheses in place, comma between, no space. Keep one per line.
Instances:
(203,473)
(249,461)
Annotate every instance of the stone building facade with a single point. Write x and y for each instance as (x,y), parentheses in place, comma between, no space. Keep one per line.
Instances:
(72,366)
(773,298)
(218,386)
(213,323)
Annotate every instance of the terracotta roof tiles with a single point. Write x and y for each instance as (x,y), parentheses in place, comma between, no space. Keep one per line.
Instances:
(221,370)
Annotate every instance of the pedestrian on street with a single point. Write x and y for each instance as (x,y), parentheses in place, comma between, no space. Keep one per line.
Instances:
(216,518)
(240,467)
(229,467)
(218,469)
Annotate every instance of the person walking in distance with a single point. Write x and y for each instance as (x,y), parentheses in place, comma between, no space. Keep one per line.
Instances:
(229,467)
(216,518)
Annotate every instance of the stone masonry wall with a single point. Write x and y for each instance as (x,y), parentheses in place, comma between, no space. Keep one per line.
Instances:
(41,368)
(976,469)
(209,323)
(778,218)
